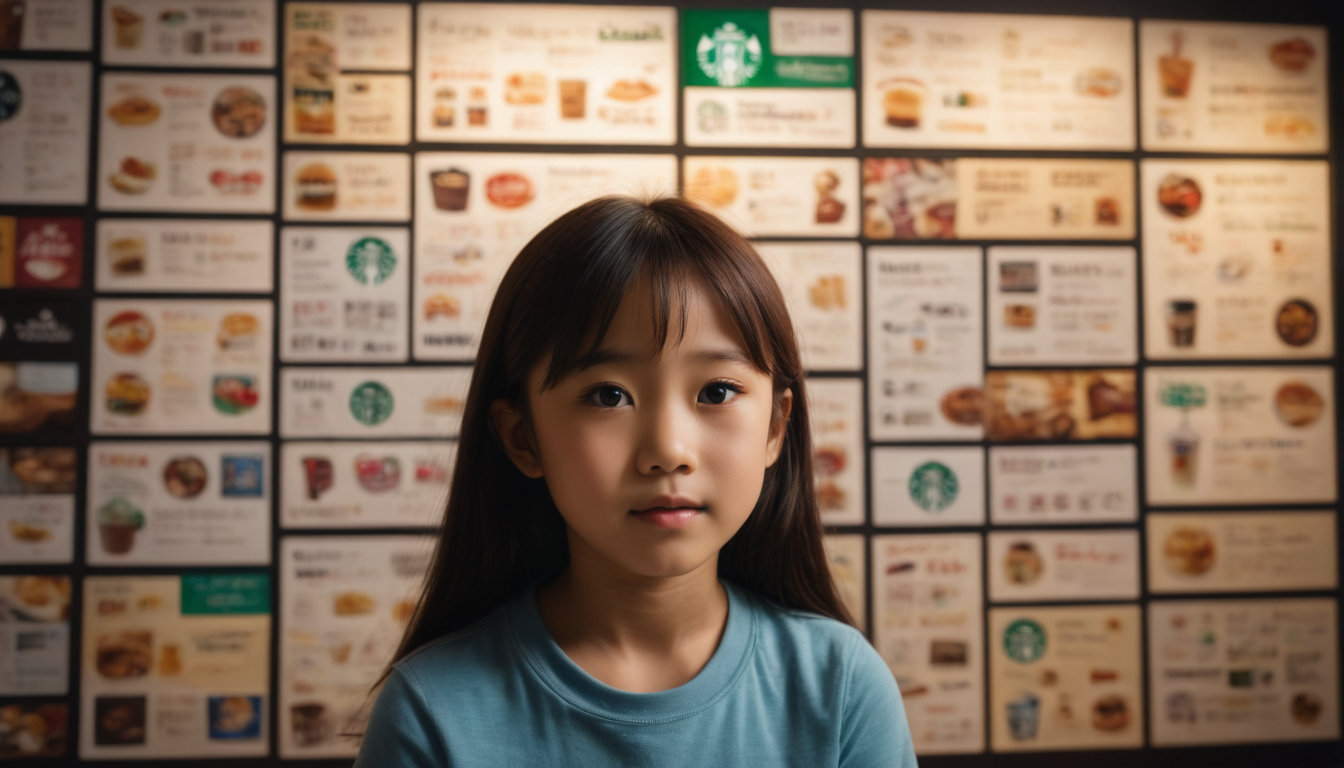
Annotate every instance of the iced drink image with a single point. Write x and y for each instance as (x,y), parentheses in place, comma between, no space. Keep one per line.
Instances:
(572,98)
(129,27)
(450,189)
(1023,717)
(1184,453)
(11,24)
(1182,317)
(118,520)
(1175,71)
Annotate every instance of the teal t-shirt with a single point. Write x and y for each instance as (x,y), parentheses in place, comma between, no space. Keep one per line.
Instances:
(783,688)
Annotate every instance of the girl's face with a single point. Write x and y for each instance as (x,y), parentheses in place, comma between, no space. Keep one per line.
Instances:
(654,457)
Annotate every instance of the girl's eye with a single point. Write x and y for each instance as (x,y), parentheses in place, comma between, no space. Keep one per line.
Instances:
(718,393)
(609,397)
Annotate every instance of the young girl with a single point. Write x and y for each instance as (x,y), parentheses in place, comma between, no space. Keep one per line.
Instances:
(630,571)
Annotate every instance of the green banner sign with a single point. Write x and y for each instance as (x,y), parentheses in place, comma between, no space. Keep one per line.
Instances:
(226,594)
(1184,395)
(731,49)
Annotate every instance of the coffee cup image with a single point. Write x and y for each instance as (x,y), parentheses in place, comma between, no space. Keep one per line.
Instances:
(118,520)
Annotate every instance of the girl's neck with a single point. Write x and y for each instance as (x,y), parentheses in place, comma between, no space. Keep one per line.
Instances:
(633,632)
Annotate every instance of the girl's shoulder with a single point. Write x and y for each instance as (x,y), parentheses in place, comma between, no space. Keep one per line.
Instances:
(473,647)
(798,631)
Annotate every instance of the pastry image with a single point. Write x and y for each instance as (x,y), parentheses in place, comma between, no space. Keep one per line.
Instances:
(441,305)
(128,333)
(1018,277)
(124,654)
(1289,126)
(42,598)
(1023,564)
(829,209)
(1298,404)
(630,90)
(525,88)
(903,101)
(127,394)
(964,406)
(947,653)
(1106,399)
(443,406)
(1296,323)
(233,717)
(238,331)
(377,474)
(1179,196)
(830,496)
(119,720)
(353,604)
(830,459)
(316,187)
(1189,551)
(1098,81)
(1019,315)
(185,477)
(134,110)
(1293,55)
(827,292)
(509,190)
(43,470)
(134,176)
(127,255)
(573,98)
(239,112)
(1109,713)
(235,394)
(28,533)
(715,186)
(1306,708)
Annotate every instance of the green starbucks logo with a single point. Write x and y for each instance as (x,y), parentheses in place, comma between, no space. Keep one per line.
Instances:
(11,96)
(370,261)
(933,486)
(712,117)
(730,56)
(1024,641)
(371,403)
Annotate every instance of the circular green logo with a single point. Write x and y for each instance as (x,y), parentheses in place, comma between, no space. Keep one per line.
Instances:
(370,261)
(371,403)
(1024,641)
(11,96)
(934,486)
(730,55)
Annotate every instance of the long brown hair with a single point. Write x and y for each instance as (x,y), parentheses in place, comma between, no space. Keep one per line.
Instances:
(501,531)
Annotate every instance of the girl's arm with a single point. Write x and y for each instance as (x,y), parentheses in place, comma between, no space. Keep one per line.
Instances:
(874,732)
(401,732)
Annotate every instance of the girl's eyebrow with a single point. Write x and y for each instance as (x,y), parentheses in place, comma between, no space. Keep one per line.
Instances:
(605,356)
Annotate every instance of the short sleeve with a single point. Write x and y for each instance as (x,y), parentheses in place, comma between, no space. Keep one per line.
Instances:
(401,732)
(873,732)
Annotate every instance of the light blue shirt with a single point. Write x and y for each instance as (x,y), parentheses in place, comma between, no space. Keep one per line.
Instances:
(783,688)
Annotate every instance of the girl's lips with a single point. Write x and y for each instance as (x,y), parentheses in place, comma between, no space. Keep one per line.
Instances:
(669,518)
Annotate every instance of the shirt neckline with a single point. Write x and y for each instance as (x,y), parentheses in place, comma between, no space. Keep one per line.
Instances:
(585,692)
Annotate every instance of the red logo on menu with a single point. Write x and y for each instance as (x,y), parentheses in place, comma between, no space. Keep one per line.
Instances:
(50,253)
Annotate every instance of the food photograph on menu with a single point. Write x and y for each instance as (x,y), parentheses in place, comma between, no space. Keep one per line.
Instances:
(1040,405)
(340,82)
(546,74)
(184,256)
(45,129)
(1039,566)
(1241,552)
(997,81)
(768,77)
(37,503)
(175,666)
(1237,259)
(34,635)
(347,186)
(835,409)
(383,484)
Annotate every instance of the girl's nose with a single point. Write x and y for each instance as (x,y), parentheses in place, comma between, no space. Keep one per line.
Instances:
(667,441)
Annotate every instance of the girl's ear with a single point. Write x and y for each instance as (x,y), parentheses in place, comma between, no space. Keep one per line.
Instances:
(778,428)
(515,435)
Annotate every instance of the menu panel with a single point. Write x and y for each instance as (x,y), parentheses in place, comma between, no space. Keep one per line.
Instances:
(778,196)
(915,487)
(997,81)
(343,607)
(49,25)
(1065,678)
(41,252)
(184,256)
(197,143)
(928,617)
(821,284)
(1242,671)
(1062,306)
(330,96)
(213,33)
(179,503)
(925,344)
(38,397)
(1216,87)
(1237,259)
(1030,485)
(44,126)
(997,199)
(1030,566)
(175,666)
(34,636)
(835,410)
(343,294)
(1241,552)
(181,366)
(1240,435)
(347,186)
(549,74)
(776,77)
(37,504)
(845,555)
(372,402)
(364,485)
(1042,405)
(475,211)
